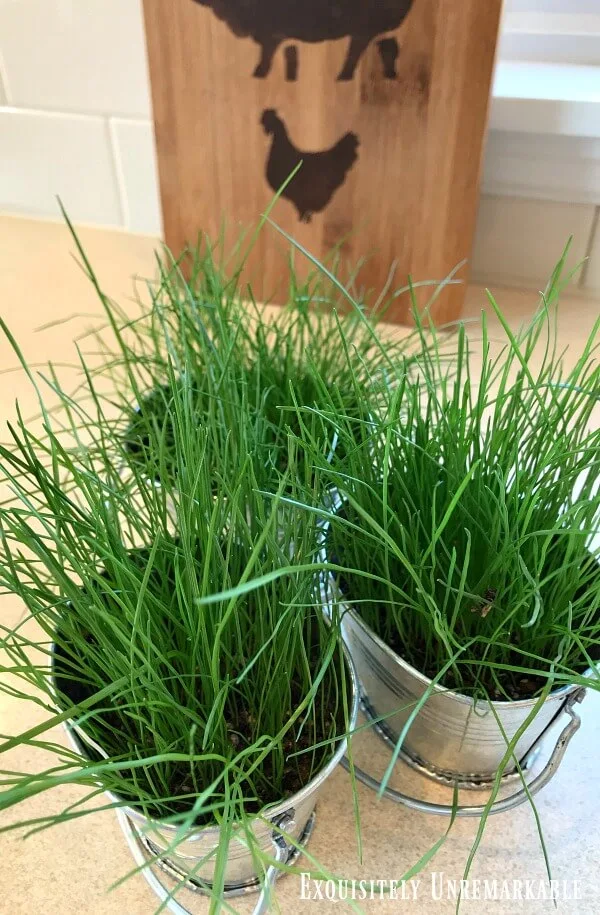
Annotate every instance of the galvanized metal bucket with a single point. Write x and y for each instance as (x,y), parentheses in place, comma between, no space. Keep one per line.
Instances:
(280,833)
(453,739)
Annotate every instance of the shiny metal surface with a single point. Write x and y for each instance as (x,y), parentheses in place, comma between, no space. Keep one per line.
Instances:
(480,784)
(194,856)
(139,850)
(499,805)
(453,738)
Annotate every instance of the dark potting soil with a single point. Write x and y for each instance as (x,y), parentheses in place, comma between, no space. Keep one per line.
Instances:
(297,770)
(524,688)
(152,408)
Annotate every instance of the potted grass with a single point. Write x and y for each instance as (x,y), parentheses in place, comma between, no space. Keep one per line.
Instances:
(461,542)
(289,363)
(167,564)
(176,629)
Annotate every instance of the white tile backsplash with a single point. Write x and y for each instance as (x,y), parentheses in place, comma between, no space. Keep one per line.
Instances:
(133,143)
(519,241)
(85,56)
(540,166)
(43,155)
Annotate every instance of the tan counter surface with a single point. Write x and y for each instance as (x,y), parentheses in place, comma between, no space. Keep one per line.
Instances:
(68,870)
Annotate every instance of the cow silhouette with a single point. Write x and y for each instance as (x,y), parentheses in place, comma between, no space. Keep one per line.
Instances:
(271,22)
(320,174)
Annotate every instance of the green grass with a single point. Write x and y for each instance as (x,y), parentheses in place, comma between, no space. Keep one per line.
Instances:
(467,536)
(113,570)
(153,548)
(313,351)
(471,499)
(168,554)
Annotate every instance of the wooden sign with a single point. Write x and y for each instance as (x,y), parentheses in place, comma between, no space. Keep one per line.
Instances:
(383,101)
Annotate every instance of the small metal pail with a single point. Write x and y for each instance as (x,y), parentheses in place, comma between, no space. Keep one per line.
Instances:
(453,738)
(279,832)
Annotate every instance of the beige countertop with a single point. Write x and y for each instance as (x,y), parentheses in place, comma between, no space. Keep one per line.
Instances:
(69,869)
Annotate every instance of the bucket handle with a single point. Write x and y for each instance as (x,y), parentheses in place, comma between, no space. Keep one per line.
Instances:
(502,805)
(282,850)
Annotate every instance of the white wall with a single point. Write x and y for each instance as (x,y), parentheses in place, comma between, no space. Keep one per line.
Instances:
(75,121)
(75,113)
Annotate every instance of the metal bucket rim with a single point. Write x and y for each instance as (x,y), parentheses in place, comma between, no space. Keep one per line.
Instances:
(269,812)
(560,693)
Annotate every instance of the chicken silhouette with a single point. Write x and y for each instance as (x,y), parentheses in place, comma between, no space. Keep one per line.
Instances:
(271,22)
(320,174)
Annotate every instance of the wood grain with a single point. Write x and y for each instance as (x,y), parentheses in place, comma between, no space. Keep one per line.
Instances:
(408,200)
